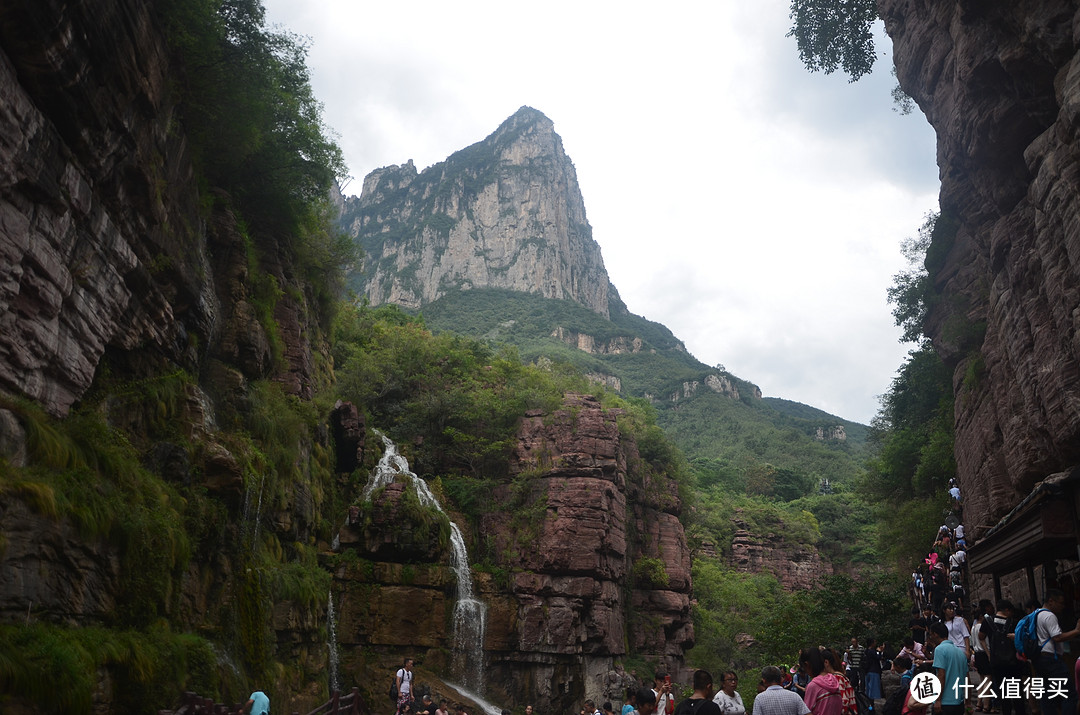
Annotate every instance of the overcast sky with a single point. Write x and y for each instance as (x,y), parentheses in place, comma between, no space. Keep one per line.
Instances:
(753,208)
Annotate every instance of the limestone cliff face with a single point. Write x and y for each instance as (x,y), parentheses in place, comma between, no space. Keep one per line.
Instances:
(108,259)
(570,531)
(103,246)
(505,213)
(1000,82)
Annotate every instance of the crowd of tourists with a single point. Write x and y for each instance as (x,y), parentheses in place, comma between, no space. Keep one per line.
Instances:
(975,657)
(958,659)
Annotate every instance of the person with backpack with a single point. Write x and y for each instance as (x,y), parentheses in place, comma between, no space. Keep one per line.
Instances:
(403,684)
(700,702)
(1049,662)
(894,704)
(910,706)
(1000,630)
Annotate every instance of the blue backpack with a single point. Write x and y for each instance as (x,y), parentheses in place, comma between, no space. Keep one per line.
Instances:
(1026,639)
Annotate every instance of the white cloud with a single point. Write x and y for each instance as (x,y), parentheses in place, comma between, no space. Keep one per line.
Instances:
(753,208)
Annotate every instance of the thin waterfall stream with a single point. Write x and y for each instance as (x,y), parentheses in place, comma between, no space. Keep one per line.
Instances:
(332,644)
(249,527)
(470,613)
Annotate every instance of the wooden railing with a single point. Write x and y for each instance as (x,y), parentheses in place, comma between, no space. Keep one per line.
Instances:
(338,704)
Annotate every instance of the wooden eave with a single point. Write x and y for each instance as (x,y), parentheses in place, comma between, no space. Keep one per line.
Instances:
(1041,528)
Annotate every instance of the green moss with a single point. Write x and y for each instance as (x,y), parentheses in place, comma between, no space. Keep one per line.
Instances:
(264,293)
(650,573)
(252,625)
(306,584)
(974,372)
(55,667)
(527,511)
(86,471)
(941,242)
(417,528)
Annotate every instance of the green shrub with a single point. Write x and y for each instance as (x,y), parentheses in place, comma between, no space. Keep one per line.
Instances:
(56,667)
(650,573)
(86,471)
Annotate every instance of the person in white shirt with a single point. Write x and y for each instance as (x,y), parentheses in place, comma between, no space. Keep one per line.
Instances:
(959,633)
(404,677)
(1050,663)
(665,700)
(728,697)
(957,560)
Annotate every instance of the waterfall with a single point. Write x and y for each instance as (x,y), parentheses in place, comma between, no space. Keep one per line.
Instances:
(249,528)
(470,614)
(331,643)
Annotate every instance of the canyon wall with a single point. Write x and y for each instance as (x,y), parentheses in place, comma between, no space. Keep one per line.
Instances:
(591,564)
(1000,83)
(120,277)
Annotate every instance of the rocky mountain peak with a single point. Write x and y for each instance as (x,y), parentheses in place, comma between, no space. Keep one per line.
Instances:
(505,212)
(524,116)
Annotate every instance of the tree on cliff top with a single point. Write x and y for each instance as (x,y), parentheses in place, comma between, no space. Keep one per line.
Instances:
(247,104)
(835,34)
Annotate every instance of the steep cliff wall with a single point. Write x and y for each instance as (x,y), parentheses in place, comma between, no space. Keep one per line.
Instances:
(504,213)
(1000,83)
(132,298)
(573,530)
(95,200)
(104,245)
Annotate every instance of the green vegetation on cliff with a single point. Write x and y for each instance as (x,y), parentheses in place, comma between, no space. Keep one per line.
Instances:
(762,460)
(789,474)
(458,400)
(170,533)
(912,434)
(138,475)
(259,143)
(747,433)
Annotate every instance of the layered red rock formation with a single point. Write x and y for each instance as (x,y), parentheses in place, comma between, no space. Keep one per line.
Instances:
(796,567)
(580,512)
(1000,82)
(590,511)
